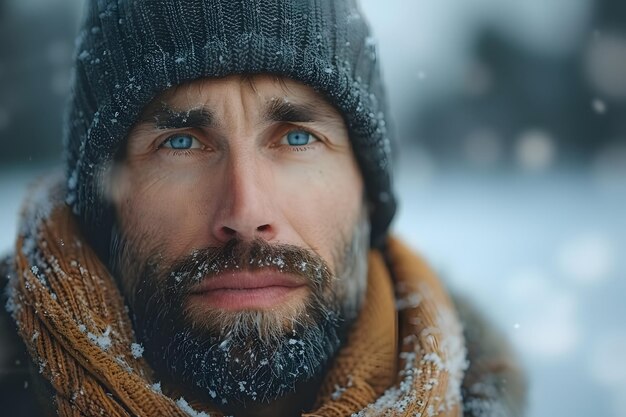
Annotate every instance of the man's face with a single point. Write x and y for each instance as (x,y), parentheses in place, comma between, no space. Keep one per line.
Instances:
(241,235)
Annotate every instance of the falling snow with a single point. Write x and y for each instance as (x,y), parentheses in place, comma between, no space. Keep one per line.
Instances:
(599,106)
(551,271)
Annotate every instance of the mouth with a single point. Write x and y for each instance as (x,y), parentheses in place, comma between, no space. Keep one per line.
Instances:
(247,290)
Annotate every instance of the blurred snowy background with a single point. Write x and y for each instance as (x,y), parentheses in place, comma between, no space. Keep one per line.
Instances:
(511,121)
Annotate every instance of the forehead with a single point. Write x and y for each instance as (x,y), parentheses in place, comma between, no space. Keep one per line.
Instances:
(253,90)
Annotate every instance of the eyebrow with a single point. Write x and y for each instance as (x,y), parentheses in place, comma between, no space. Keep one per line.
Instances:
(165,117)
(285,111)
(278,110)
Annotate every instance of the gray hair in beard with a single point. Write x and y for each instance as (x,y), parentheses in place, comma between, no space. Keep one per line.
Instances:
(235,359)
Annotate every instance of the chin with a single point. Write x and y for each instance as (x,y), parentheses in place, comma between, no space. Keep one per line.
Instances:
(244,357)
(265,322)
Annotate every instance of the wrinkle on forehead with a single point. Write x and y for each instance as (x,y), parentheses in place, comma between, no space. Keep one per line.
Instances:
(268,88)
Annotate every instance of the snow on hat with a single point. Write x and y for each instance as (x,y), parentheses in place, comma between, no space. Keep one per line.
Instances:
(127,52)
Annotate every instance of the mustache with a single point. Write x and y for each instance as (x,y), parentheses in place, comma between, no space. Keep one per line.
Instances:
(239,255)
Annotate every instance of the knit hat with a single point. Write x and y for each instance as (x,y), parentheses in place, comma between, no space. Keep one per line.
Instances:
(127,52)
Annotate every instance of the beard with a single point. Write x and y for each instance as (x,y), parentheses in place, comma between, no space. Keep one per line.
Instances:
(239,358)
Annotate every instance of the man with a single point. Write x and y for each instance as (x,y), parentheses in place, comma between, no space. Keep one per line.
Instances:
(220,243)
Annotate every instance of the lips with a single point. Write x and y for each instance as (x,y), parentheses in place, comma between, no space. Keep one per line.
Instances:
(241,290)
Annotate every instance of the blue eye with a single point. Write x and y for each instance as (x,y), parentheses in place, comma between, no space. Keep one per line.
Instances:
(299,138)
(181,142)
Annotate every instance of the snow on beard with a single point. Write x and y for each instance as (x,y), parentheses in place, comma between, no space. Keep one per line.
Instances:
(243,357)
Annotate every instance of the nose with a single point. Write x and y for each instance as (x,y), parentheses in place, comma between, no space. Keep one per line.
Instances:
(245,208)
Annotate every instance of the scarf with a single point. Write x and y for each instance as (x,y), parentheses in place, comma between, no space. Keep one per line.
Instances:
(404,356)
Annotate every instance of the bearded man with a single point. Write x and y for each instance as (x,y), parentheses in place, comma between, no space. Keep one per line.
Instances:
(220,245)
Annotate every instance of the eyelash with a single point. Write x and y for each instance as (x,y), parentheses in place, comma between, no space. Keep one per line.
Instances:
(282,148)
(180,152)
(176,152)
(287,148)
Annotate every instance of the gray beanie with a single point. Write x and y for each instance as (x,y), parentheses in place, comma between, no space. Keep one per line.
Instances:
(129,51)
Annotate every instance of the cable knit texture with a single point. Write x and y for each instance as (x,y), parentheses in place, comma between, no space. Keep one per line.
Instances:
(405,354)
(127,52)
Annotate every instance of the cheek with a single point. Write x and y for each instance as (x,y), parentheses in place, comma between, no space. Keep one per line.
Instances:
(323,204)
(162,208)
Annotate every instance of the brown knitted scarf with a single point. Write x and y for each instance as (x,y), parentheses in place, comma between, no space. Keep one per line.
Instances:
(405,355)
